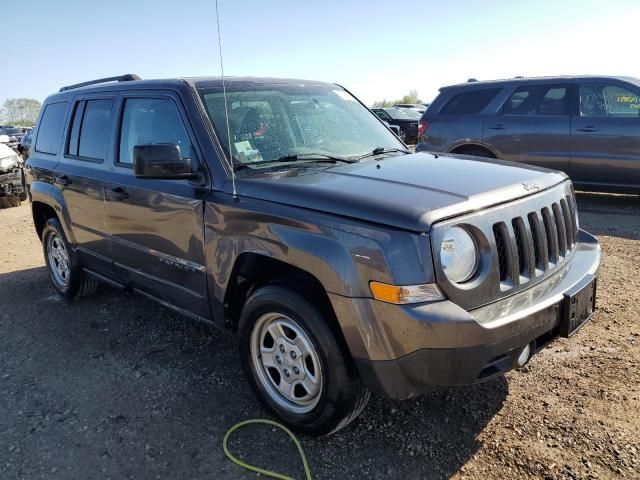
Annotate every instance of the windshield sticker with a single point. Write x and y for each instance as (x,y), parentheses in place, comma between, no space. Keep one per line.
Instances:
(344,95)
(246,153)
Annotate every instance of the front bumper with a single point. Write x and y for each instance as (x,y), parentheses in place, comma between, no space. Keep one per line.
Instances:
(401,350)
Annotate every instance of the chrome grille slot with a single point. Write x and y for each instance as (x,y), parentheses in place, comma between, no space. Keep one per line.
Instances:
(502,240)
(562,232)
(551,234)
(525,247)
(574,217)
(568,224)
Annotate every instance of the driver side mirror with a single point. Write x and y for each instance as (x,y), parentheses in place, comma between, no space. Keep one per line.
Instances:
(4,139)
(161,161)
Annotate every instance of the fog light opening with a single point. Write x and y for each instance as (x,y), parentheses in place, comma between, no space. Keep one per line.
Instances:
(524,356)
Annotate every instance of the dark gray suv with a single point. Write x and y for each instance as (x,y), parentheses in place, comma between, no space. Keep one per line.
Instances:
(588,127)
(288,213)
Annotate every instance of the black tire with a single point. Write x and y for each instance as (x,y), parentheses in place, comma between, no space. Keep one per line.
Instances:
(78,284)
(22,197)
(342,397)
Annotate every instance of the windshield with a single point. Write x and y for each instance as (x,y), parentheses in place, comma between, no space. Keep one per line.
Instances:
(12,130)
(403,113)
(268,123)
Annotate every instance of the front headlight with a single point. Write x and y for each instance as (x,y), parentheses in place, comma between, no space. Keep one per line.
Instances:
(459,255)
(9,162)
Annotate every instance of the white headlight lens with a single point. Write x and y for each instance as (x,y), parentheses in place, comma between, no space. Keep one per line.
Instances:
(458,255)
(9,162)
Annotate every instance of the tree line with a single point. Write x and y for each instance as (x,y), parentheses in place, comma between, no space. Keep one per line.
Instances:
(21,112)
(411,97)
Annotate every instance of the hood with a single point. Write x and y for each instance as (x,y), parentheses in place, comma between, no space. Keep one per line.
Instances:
(410,192)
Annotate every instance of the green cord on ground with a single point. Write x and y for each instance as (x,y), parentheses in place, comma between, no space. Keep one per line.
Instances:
(269,473)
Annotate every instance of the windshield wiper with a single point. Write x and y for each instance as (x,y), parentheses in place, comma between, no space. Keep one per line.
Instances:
(380,151)
(302,158)
(313,157)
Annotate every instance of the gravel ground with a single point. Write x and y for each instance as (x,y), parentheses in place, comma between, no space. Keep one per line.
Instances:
(115,386)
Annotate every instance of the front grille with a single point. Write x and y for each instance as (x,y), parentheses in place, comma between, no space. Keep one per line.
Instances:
(536,242)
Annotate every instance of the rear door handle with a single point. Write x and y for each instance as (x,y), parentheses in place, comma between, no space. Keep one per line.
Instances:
(588,129)
(62,180)
(117,193)
(497,126)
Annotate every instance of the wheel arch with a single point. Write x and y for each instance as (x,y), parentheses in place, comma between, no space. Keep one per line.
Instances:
(461,146)
(252,271)
(47,201)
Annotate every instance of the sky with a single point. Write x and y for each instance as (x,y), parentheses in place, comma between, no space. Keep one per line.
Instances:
(376,49)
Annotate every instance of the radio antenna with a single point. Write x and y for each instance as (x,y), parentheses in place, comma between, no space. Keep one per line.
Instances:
(226,108)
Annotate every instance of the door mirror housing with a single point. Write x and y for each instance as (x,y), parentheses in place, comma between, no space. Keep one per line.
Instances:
(161,161)
(4,139)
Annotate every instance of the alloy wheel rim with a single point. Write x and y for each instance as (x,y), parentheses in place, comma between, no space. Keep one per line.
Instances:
(58,260)
(286,362)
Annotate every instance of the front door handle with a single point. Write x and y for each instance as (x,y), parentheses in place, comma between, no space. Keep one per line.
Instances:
(62,180)
(588,129)
(117,193)
(497,126)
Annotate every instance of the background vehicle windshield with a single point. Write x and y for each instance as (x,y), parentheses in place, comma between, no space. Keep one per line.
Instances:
(12,130)
(267,123)
(402,113)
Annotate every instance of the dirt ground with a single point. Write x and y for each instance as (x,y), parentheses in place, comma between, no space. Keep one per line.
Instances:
(115,386)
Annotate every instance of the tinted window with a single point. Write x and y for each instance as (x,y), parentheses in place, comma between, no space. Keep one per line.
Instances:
(383,115)
(94,128)
(469,102)
(74,136)
(538,100)
(147,121)
(608,101)
(51,127)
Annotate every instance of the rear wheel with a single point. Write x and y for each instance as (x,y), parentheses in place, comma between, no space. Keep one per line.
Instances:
(67,276)
(295,364)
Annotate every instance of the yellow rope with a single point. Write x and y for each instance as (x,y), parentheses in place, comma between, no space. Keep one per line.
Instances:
(269,473)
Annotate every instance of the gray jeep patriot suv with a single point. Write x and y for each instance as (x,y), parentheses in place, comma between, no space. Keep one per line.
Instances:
(287,212)
(588,127)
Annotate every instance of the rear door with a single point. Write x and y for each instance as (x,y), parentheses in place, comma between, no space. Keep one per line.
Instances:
(534,126)
(157,226)
(605,144)
(78,176)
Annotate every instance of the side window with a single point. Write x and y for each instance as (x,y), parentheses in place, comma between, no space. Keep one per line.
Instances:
(74,136)
(50,129)
(148,121)
(608,101)
(468,103)
(94,129)
(538,100)
(89,129)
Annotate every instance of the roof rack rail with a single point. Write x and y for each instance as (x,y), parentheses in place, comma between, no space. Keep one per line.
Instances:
(121,78)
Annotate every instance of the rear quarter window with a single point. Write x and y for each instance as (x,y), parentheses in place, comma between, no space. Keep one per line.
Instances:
(468,103)
(51,127)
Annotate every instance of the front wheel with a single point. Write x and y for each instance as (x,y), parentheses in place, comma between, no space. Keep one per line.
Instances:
(295,364)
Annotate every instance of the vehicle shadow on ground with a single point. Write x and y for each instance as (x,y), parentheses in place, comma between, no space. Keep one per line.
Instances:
(117,384)
(622,211)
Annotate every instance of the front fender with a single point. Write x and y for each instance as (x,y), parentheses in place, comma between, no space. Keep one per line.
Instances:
(343,254)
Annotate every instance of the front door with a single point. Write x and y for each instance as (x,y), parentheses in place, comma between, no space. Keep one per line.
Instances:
(533,126)
(605,143)
(156,226)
